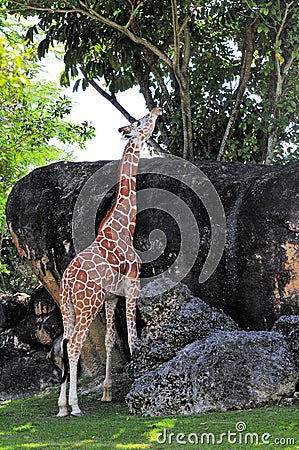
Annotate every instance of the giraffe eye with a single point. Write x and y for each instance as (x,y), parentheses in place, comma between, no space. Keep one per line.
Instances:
(138,123)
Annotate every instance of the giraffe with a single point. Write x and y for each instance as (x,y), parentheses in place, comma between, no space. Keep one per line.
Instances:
(110,266)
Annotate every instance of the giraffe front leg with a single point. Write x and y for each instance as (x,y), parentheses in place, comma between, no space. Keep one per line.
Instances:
(107,385)
(110,306)
(131,300)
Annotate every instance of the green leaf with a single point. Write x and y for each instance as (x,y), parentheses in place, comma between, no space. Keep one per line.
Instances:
(279,57)
(76,85)
(64,78)
(84,84)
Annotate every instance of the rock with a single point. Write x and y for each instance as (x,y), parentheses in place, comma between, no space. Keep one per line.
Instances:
(291,401)
(42,323)
(55,354)
(40,331)
(288,326)
(34,324)
(42,303)
(261,247)
(262,228)
(22,370)
(172,320)
(36,319)
(264,250)
(227,370)
(13,308)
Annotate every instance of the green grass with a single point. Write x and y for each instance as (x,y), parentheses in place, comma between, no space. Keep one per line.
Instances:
(31,423)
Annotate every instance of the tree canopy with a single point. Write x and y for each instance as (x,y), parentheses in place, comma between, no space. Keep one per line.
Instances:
(225,72)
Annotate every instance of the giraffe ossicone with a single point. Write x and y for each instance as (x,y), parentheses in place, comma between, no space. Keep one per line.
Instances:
(108,267)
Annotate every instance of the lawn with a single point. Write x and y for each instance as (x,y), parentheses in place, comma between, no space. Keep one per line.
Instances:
(31,423)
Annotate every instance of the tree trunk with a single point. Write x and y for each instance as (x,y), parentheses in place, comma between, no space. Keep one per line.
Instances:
(271,146)
(279,77)
(188,152)
(181,74)
(244,78)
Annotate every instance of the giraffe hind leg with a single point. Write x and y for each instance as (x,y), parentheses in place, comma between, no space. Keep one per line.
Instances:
(75,345)
(68,317)
(110,305)
(65,361)
(63,411)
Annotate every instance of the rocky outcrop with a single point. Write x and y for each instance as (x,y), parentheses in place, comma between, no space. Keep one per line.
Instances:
(227,370)
(13,308)
(23,370)
(35,319)
(262,221)
(172,319)
(31,337)
(42,324)
(256,280)
(192,358)
(31,326)
(288,326)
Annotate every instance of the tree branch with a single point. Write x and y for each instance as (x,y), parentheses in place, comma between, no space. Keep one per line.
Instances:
(272,138)
(112,99)
(124,30)
(89,12)
(176,38)
(277,62)
(188,18)
(134,10)
(288,65)
(187,51)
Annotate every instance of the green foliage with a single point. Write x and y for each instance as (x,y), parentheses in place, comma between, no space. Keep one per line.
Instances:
(31,423)
(15,274)
(32,125)
(96,39)
(33,129)
(12,70)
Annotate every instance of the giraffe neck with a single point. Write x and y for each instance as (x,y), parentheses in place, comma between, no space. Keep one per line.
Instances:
(125,201)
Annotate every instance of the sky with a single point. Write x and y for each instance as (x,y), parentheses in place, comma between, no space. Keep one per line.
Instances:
(90,106)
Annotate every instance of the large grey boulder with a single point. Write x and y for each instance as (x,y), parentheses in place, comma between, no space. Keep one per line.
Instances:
(227,370)
(172,319)
(255,282)
(262,217)
(288,326)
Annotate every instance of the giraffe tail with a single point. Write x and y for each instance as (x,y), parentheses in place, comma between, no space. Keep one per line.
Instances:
(65,361)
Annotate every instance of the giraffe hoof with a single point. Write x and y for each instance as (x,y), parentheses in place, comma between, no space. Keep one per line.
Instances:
(107,395)
(63,413)
(77,413)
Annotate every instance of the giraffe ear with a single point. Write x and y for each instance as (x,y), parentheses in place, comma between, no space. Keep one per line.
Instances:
(157,111)
(124,137)
(125,133)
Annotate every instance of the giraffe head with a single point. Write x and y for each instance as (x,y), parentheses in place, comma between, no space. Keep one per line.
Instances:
(142,128)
